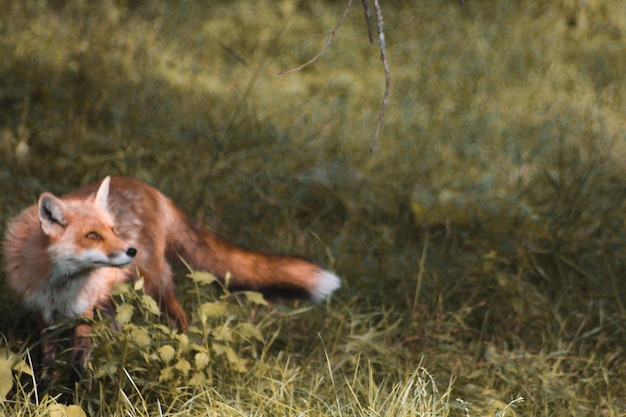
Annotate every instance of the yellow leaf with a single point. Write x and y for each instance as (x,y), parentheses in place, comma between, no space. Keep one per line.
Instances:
(141,337)
(14,361)
(139,284)
(166,353)
(255,297)
(201,277)
(60,410)
(212,309)
(183,342)
(124,313)
(167,374)
(218,348)
(6,379)
(232,356)
(56,410)
(183,366)
(150,304)
(198,378)
(74,411)
(121,288)
(248,331)
(202,360)
(224,334)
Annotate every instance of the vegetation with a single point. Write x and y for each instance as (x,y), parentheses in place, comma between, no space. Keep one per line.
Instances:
(482,244)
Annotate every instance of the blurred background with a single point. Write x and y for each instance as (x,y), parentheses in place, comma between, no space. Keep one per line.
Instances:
(494,199)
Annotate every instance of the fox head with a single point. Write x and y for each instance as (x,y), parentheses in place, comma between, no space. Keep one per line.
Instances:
(82,232)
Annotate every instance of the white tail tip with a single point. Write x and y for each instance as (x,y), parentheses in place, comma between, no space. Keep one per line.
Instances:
(325,284)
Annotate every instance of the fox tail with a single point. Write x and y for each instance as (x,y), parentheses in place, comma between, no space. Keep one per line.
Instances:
(267,273)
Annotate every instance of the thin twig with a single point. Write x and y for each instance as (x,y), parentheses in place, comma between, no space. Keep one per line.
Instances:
(383,57)
(326,45)
(420,274)
(614,283)
(368,21)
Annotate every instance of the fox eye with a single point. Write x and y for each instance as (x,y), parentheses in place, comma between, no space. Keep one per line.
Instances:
(93,236)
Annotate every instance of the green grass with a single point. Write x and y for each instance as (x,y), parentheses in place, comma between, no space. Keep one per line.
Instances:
(482,245)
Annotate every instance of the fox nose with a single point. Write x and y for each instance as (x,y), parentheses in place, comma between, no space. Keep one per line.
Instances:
(131,252)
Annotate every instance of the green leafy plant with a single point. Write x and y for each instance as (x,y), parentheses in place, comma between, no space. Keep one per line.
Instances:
(139,347)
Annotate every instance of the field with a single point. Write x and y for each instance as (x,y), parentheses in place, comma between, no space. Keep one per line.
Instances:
(482,240)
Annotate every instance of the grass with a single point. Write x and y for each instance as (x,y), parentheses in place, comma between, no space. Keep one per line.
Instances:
(482,244)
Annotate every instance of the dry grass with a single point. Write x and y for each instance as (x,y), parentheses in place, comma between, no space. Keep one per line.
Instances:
(483,244)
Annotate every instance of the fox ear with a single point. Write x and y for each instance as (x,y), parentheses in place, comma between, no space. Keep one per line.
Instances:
(102,195)
(51,214)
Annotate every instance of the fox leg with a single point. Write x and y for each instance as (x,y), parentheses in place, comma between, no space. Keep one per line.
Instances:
(49,350)
(48,347)
(80,338)
(81,347)
(161,288)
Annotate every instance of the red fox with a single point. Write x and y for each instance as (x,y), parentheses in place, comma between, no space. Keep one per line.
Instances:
(64,255)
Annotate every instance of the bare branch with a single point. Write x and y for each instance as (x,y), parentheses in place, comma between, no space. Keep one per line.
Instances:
(326,45)
(383,57)
(368,21)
